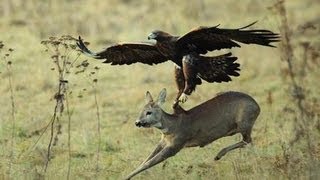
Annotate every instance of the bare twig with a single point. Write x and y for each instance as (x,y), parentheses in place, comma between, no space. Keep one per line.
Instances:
(303,122)
(287,55)
(58,107)
(93,81)
(98,123)
(12,99)
(69,136)
(61,50)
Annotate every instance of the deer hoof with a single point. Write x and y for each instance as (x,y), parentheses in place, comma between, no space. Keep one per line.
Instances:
(183,98)
(217,158)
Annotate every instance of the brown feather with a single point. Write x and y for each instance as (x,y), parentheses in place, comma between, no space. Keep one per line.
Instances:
(206,39)
(190,73)
(185,52)
(180,80)
(218,68)
(128,53)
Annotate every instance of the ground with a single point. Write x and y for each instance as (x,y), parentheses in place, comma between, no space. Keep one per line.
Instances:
(120,91)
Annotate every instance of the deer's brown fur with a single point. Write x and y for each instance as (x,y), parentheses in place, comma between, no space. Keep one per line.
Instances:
(224,115)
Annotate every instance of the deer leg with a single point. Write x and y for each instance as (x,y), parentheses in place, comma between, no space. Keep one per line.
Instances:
(229,148)
(232,132)
(246,140)
(165,153)
(159,147)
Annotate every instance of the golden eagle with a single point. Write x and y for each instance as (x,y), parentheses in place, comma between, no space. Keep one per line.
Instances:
(187,53)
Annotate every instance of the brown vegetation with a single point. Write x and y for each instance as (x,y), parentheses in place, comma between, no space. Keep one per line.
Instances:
(284,82)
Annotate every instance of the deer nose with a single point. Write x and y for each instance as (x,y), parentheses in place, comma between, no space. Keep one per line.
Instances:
(140,124)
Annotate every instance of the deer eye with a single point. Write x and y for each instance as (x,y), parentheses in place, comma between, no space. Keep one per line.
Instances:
(148,113)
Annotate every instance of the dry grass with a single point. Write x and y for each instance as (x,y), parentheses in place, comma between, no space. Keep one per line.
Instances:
(121,89)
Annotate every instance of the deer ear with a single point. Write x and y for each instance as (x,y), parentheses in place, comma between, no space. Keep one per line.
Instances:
(162,96)
(148,97)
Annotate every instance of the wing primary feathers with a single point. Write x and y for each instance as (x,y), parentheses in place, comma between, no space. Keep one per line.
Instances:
(248,25)
(206,39)
(217,25)
(256,36)
(125,53)
(86,51)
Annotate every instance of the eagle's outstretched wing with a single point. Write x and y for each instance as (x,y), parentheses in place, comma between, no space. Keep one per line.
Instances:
(206,39)
(126,53)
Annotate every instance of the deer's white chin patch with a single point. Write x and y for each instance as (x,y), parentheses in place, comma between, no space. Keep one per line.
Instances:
(157,125)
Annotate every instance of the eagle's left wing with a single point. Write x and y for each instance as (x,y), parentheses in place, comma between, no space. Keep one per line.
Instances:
(206,39)
(127,53)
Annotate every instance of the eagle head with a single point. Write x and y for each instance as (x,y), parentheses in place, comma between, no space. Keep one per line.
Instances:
(158,35)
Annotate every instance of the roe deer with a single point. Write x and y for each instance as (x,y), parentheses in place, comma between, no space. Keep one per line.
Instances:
(224,115)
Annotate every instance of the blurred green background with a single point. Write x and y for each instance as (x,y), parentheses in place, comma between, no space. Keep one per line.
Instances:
(121,89)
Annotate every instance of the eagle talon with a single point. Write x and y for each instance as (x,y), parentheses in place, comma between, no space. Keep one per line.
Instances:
(175,104)
(183,98)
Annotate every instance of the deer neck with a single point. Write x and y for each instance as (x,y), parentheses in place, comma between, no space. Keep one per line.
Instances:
(168,123)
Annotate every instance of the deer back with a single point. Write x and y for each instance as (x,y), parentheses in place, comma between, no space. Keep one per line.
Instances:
(216,117)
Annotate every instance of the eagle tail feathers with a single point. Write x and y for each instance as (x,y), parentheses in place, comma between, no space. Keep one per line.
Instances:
(218,68)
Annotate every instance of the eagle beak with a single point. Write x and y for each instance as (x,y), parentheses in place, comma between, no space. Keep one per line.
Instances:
(151,36)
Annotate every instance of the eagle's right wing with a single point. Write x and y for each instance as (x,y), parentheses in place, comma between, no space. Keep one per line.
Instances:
(128,53)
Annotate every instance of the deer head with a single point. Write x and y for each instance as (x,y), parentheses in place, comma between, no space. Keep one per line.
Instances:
(152,113)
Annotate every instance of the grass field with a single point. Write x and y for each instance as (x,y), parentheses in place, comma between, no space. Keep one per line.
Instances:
(286,136)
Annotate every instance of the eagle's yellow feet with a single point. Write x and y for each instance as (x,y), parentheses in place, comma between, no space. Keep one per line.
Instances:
(183,98)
